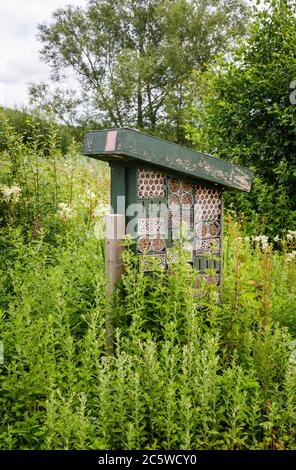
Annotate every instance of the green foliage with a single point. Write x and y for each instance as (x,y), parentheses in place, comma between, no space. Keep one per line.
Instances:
(41,190)
(187,373)
(132,58)
(242,112)
(174,384)
(21,122)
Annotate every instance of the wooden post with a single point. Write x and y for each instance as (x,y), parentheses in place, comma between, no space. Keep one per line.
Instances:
(114,235)
(221,248)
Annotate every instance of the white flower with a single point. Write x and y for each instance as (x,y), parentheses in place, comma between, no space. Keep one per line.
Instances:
(90,194)
(291,256)
(68,166)
(291,234)
(276,238)
(65,212)
(102,210)
(263,240)
(11,194)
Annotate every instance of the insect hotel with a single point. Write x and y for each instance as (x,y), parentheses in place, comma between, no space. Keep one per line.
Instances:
(162,192)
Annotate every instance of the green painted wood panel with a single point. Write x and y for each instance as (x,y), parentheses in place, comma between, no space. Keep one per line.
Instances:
(118,188)
(129,144)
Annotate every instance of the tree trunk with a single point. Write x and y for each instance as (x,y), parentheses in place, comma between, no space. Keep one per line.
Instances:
(139,104)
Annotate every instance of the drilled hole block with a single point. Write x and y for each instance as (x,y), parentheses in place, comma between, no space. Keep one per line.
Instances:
(207,246)
(151,225)
(149,261)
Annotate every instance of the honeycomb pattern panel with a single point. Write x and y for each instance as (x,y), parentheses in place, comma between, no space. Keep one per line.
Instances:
(151,184)
(207,204)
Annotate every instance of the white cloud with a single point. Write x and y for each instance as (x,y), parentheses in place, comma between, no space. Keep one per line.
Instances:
(19,48)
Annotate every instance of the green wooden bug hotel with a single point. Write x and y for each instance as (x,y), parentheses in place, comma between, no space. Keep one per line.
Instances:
(168,192)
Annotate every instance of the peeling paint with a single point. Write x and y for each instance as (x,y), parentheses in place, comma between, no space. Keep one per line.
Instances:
(144,148)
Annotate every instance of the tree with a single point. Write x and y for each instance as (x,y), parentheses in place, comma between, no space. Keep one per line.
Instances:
(131,58)
(58,103)
(245,115)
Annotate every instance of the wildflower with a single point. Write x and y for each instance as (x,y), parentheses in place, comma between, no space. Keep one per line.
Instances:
(90,194)
(101,210)
(276,238)
(65,212)
(263,240)
(68,166)
(11,194)
(291,234)
(291,256)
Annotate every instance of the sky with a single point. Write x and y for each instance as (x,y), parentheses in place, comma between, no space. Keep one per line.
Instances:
(20,63)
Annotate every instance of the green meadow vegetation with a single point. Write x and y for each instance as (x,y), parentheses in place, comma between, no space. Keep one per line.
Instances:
(186,373)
